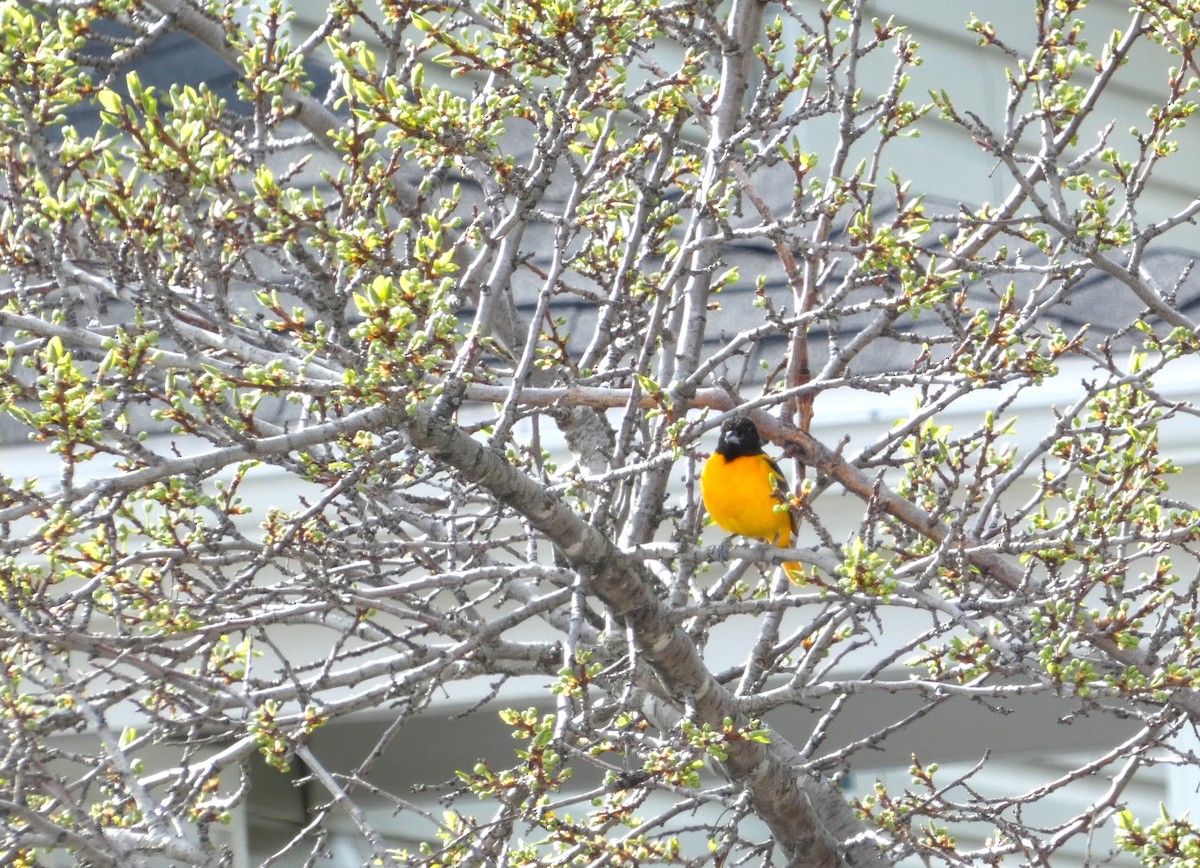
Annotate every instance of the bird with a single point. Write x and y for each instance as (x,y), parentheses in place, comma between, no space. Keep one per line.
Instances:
(745,492)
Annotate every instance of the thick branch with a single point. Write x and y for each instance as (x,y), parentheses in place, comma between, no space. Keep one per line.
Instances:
(805,815)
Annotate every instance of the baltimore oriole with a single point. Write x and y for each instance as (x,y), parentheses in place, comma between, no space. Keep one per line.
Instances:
(745,491)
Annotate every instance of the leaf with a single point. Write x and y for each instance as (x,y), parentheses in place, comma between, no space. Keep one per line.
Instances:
(110,101)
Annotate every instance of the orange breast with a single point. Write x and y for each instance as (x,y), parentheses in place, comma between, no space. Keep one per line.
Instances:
(741,495)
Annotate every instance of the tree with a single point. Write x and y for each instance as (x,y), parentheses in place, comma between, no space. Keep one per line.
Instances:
(480,297)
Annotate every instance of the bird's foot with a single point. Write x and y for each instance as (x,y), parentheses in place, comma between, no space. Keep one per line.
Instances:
(723,549)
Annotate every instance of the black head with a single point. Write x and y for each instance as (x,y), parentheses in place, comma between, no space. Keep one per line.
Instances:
(739,437)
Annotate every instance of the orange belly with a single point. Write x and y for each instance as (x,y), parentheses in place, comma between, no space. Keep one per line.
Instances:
(742,495)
